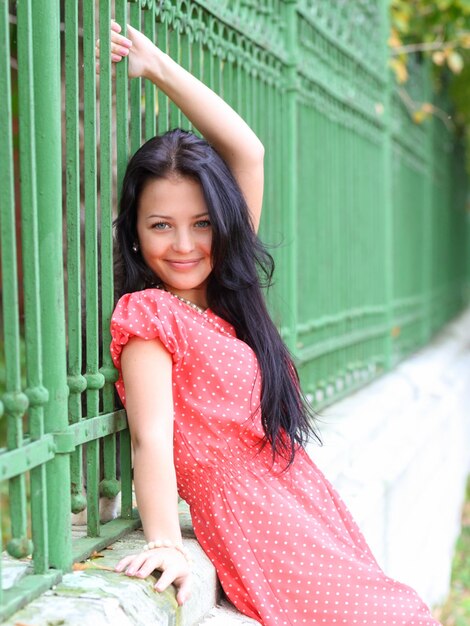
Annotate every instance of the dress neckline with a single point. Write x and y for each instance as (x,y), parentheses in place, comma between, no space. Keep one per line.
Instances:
(188,303)
(208,315)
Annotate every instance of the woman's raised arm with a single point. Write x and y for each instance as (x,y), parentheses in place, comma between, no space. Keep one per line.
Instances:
(221,126)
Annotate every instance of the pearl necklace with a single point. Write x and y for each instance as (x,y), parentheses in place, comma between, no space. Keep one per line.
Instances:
(196,307)
(200,310)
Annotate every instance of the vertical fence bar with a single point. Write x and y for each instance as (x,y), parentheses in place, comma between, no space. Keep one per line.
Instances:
(136,91)
(109,486)
(7,230)
(185,59)
(47,82)
(94,379)
(163,102)
(122,124)
(428,224)
(15,401)
(290,194)
(387,202)
(150,99)
(174,52)
(122,152)
(75,380)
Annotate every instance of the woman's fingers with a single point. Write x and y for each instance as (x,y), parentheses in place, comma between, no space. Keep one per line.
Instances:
(123,563)
(184,591)
(131,564)
(174,568)
(154,561)
(136,43)
(118,39)
(120,45)
(169,574)
(133,569)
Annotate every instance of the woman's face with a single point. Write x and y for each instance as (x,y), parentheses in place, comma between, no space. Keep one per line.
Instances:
(175,235)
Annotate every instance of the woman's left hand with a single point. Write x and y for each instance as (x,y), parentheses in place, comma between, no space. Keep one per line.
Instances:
(136,47)
(174,566)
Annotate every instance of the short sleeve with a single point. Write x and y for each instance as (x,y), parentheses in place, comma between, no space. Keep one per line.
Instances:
(149,315)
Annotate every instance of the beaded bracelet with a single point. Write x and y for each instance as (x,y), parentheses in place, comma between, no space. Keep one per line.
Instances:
(166,543)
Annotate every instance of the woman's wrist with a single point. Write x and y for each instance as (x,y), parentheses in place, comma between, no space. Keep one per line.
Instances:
(166,543)
(155,66)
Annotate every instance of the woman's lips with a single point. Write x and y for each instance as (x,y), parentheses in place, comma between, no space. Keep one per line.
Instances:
(183,265)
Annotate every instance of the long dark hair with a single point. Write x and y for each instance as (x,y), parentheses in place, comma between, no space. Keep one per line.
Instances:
(242,267)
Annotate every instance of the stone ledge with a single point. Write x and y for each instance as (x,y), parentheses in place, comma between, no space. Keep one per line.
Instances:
(98,596)
(226,615)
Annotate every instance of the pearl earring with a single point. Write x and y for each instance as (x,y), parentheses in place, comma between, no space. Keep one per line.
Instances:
(135,247)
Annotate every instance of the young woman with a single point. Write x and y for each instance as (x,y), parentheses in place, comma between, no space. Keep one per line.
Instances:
(212,396)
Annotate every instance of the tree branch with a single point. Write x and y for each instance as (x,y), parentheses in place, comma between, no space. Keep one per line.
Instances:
(422,47)
(412,106)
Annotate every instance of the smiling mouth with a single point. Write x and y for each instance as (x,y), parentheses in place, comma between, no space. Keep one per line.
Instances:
(184,264)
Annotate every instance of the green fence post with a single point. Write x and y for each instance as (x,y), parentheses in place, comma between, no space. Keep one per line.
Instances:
(47,75)
(290,190)
(387,200)
(426,327)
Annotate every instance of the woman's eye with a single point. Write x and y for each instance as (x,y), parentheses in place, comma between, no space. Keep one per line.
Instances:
(160,226)
(203,224)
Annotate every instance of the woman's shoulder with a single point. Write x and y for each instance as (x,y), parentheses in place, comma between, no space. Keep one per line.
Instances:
(147,314)
(153,298)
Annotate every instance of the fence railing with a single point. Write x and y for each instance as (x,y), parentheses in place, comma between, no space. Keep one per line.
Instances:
(367,208)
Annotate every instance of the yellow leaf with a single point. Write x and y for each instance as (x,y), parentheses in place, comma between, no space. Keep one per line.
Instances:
(80,567)
(400,69)
(428,108)
(419,116)
(402,19)
(465,40)
(455,62)
(394,40)
(439,57)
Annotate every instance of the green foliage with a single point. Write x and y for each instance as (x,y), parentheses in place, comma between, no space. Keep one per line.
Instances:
(439,30)
(456,610)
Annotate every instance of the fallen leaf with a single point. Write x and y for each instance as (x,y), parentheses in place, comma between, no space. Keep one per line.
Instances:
(80,567)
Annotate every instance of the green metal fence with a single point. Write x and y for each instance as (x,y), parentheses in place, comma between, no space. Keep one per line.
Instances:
(367,209)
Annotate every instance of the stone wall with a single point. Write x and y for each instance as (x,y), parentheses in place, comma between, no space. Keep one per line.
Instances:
(398,451)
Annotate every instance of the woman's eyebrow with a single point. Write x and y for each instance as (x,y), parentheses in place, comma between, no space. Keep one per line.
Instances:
(164,217)
(169,217)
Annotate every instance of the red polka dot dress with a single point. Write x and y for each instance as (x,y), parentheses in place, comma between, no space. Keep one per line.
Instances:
(285,547)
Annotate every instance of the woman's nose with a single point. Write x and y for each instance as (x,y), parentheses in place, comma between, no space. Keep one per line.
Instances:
(183,241)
